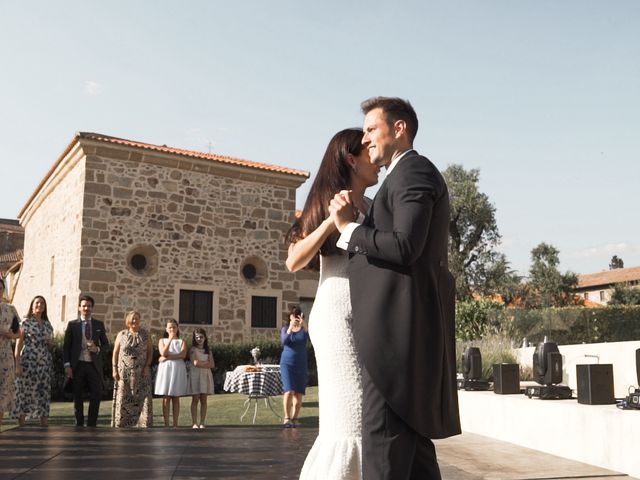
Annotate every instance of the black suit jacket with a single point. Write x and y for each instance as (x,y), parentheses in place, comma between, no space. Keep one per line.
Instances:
(403,297)
(72,346)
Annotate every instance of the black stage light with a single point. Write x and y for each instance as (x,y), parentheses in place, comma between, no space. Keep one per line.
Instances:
(472,370)
(547,371)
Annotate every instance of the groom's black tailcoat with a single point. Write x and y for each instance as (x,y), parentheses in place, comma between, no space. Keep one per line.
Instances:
(403,297)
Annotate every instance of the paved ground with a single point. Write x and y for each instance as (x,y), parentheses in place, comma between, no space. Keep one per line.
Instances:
(257,453)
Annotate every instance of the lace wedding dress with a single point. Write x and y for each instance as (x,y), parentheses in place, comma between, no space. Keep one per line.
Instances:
(337,452)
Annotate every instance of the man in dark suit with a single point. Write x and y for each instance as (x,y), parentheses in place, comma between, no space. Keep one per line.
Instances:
(84,340)
(403,301)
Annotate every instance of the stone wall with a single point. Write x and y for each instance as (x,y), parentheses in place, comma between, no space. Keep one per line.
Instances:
(53,227)
(197,223)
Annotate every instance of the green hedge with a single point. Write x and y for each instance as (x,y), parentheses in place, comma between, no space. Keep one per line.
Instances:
(568,325)
(226,356)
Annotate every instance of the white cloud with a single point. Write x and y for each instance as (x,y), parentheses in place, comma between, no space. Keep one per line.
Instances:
(92,88)
(607,249)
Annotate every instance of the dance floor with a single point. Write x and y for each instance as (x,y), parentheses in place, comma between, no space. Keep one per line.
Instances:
(257,453)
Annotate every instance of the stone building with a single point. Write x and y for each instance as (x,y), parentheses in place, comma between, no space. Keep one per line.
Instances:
(171,233)
(11,243)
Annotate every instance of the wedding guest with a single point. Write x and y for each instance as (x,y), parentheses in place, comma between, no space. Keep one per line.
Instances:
(9,330)
(84,340)
(200,376)
(293,366)
(171,380)
(34,364)
(132,385)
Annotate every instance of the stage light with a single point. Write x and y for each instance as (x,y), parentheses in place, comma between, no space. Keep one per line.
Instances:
(472,370)
(547,371)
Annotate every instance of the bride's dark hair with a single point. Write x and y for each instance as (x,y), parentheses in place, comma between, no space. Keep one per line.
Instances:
(333,175)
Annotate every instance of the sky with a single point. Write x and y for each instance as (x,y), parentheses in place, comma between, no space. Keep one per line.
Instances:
(542,96)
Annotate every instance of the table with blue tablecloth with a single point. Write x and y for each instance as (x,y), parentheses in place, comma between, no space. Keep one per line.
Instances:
(259,382)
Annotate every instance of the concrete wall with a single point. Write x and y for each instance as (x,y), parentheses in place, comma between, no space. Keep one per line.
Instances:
(601,435)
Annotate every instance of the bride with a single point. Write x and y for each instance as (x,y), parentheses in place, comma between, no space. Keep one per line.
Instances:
(336,453)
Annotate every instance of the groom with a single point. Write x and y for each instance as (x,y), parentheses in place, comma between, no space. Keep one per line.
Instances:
(403,301)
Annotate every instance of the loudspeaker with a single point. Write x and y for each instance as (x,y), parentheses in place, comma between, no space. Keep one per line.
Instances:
(595,384)
(506,378)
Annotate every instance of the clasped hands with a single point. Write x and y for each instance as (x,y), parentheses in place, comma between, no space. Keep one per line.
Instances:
(342,210)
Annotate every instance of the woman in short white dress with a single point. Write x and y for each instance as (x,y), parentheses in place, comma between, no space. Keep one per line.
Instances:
(171,379)
(336,453)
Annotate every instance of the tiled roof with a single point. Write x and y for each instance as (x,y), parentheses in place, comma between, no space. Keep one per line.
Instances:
(609,277)
(10,225)
(191,153)
(158,148)
(12,257)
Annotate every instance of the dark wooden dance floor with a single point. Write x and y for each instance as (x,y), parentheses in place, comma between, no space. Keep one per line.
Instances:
(250,452)
(72,453)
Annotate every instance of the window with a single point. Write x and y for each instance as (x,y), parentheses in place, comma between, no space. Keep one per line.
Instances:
(264,312)
(602,295)
(586,295)
(196,307)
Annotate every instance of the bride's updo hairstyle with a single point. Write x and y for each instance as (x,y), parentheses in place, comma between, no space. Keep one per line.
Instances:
(333,175)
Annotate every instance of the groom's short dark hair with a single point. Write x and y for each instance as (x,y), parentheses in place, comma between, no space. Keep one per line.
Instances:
(394,109)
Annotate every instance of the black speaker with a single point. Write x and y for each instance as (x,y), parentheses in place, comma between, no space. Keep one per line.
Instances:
(595,384)
(506,378)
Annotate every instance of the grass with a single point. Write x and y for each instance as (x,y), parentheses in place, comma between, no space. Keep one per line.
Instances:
(223,410)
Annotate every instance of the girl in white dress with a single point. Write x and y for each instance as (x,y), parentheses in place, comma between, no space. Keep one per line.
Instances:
(336,453)
(171,380)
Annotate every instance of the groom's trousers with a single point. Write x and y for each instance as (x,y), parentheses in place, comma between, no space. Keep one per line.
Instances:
(391,449)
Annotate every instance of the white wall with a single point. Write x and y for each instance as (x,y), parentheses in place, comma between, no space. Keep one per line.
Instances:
(620,354)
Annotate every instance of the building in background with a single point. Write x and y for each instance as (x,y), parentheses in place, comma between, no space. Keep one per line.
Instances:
(598,287)
(171,233)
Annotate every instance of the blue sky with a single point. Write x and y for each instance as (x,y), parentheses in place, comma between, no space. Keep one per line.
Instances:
(542,96)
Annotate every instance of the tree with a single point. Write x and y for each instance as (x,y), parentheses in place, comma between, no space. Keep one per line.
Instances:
(616,262)
(473,258)
(554,288)
(624,295)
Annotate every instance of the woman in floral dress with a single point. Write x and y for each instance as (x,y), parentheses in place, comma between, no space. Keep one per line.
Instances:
(9,330)
(132,388)
(34,364)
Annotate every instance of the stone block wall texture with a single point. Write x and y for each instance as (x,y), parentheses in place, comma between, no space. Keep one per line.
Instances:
(52,245)
(195,221)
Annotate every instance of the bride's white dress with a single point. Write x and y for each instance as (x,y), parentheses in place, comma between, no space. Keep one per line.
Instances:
(337,452)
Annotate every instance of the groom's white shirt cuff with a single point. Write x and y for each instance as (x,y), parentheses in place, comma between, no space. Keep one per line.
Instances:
(345,236)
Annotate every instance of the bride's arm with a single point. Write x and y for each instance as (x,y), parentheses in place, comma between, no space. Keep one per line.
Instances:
(302,251)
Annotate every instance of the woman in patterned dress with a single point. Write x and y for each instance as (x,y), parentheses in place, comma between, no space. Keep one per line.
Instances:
(132,355)
(34,364)
(9,330)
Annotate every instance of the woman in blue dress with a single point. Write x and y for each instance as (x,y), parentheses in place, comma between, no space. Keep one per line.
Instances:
(293,365)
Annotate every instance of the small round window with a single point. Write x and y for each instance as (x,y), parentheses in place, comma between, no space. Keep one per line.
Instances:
(139,262)
(142,260)
(254,271)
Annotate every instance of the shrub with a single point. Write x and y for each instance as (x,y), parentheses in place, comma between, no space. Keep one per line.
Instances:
(477,318)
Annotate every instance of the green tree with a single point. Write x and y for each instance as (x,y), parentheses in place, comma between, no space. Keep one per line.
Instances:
(616,262)
(625,295)
(473,258)
(553,288)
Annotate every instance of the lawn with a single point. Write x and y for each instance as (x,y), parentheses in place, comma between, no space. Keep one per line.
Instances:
(223,410)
